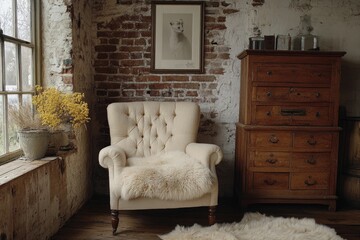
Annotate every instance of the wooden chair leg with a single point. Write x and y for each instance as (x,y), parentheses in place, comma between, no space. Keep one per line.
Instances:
(114,220)
(212,215)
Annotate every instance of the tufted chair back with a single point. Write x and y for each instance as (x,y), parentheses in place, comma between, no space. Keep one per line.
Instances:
(147,128)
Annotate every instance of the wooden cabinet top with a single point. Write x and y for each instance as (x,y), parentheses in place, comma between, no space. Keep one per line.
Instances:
(289,53)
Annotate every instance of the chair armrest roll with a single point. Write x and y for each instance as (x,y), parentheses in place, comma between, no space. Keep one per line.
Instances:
(208,154)
(112,156)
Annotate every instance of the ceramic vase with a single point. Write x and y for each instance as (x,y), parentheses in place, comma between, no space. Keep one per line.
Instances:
(34,143)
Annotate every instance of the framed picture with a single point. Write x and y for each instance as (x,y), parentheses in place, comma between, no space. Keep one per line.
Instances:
(177,37)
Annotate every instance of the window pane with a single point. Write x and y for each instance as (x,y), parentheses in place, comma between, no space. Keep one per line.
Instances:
(23,18)
(27,69)
(7,17)
(11,67)
(27,100)
(13,100)
(2,125)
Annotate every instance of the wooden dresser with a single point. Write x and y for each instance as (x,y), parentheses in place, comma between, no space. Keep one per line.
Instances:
(287,136)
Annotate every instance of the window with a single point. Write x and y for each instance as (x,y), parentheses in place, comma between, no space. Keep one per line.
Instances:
(17,66)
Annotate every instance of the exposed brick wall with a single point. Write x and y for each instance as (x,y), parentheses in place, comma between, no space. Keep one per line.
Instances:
(123,57)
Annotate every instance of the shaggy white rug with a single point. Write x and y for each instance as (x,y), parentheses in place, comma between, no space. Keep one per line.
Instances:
(255,226)
(168,176)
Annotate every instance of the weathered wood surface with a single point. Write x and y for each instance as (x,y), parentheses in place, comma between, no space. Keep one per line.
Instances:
(38,197)
(93,221)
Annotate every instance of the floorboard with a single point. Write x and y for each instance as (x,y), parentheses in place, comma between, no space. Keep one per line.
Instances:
(92,222)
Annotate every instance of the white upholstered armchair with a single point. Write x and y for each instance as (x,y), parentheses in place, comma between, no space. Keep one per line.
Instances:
(154,161)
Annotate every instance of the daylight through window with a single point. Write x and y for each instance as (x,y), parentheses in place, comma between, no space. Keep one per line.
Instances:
(17,70)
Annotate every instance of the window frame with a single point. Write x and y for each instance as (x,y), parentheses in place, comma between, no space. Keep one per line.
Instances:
(35,44)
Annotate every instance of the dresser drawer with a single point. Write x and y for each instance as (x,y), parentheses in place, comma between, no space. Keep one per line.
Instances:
(270,159)
(292,73)
(302,181)
(313,140)
(276,139)
(270,180)
(311,160)
(291,94)
(292,115)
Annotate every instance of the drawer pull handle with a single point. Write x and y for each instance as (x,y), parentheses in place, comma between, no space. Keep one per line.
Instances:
(293,112)
(269,73)
(317,94)
(271,160)
(310,182)
(268,113)
(270,181)
(312,141)
(311,160)
(273,139)
(269,94)
(317,114)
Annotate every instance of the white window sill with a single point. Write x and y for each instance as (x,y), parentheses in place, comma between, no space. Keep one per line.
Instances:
(14,169)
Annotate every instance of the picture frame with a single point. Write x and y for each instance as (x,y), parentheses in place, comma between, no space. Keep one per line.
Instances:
(177,37)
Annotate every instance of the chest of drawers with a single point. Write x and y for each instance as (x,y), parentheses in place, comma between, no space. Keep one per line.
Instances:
(287,134)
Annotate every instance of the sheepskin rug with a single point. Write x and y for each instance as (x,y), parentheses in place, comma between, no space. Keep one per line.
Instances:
(167,176)
(256,226)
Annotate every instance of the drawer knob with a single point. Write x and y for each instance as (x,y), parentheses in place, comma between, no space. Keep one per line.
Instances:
(269,73)
(269,94)
(317,94)
(310,182)
(311,160)
(312,141)
(269,181)
(317,114)
(268,113)
(273,139)
(271,160)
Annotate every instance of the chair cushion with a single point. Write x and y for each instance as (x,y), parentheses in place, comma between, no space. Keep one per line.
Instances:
(144,129)
(172,175)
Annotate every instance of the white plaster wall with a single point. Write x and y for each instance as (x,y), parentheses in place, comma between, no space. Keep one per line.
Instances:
(56,41)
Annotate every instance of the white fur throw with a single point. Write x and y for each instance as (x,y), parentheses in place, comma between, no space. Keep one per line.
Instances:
(256,226)
(167,176)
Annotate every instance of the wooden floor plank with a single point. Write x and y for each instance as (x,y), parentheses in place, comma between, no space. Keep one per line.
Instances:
(92,222)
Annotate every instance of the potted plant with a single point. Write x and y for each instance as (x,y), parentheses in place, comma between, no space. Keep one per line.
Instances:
(54,111)
(33,136)
(59,111)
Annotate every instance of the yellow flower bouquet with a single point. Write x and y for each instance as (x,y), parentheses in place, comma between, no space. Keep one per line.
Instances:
(56,109)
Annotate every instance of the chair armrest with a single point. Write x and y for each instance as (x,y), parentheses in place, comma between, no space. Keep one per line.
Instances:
(208,154)
(112,156)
